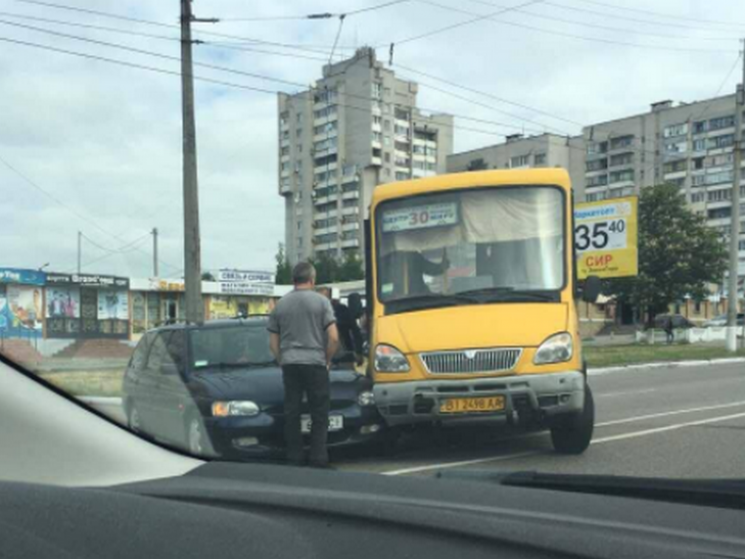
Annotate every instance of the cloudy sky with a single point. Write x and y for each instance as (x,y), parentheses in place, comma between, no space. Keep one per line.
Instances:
(88,145)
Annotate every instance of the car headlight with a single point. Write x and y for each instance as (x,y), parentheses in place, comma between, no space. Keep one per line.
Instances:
(556,349)
(244,408)
(389,360)
(366,399)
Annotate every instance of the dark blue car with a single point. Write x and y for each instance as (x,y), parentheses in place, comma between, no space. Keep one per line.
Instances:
(216,390)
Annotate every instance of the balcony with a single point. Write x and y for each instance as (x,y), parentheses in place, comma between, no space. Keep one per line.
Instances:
(350,226)
(376,161)
(355,194)
(285,189)
(675,175)
(350,211)
(350,243)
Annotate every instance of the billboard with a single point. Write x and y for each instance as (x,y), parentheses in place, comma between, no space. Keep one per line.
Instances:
(113,305)
(21,311)
(63,302)
(17,275)
(606,238)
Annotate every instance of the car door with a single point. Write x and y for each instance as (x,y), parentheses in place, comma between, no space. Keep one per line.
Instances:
(134,378)
(172,395)
(152,399)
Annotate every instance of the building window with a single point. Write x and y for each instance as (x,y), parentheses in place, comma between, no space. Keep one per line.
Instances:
(595,148)
(387,125)
(327,128)
(377,137)
(621,142)
(720,195)
(621,159)
(719,178)
(401,114)
(597,165)
(377,120)
(387,157)
(676,130)
(698,197)
(400,130)
(519,161)
(387,141)
(699,127)
(698,180)
(676,147)
(720,141)
(600,180)
(699,145)
(325,112)
(299,225)
(285,166)
(285,150)
(377,90)
(722,122)
(720,213)
(697,163)
(675,166)
(620,176)
(284,117)
(401,176)
(539,159)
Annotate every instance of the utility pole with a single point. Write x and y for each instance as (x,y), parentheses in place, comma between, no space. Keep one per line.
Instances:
(735,233)
(192,249)
(80,247)
(155,253)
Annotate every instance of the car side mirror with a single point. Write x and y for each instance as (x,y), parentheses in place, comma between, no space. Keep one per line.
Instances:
(592,289)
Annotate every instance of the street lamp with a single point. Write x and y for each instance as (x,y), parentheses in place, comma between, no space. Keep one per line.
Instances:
(41,268)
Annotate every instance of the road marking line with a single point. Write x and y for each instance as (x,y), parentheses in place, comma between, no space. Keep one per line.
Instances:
(417,469)
(626,393)
(666,428)
(668,413)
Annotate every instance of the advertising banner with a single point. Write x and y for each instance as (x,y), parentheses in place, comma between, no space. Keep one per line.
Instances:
(87,280)
(25,277)
(63,302)
(606,238)
(21,311)
(113,305)
(243,276)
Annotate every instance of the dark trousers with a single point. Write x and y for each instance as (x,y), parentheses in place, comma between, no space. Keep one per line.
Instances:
(313,381)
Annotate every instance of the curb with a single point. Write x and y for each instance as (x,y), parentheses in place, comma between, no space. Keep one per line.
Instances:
(664,364)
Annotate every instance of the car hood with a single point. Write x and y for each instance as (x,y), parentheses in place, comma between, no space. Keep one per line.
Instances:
(473,326)
(265,387)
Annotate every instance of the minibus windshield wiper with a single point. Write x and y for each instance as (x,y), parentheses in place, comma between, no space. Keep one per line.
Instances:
(430,300)
(489,294)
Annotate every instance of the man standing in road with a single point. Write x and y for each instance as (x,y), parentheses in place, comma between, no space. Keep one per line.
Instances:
(304,338)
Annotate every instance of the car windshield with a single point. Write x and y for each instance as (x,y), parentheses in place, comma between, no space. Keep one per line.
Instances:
(496,240)
(390,236)
(230,346)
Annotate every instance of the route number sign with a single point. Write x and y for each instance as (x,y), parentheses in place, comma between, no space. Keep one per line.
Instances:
(605,236)
(420,217)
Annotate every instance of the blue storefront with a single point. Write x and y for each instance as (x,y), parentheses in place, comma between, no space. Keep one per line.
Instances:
(21,303)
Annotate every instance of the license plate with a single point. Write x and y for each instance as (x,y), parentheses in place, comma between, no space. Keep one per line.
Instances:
(472,405)
(336,423)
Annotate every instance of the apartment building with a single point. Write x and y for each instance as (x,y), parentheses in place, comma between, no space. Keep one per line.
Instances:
(356,128)
(518,151)
(688,144)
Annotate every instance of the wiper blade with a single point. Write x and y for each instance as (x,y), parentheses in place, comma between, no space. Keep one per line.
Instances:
(510,293)
(729,494)
(439,297)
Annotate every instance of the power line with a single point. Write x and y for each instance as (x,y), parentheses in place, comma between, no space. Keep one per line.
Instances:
(234,85)
(462,23)
(59,202)
(666,16)
(315,16)
(148,53)
(121,250)
(336,40)
(719,89)
(489,95)
(571,35)
(553,18)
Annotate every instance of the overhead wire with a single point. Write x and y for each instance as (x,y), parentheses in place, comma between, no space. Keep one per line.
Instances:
(663,15)
(314,16)
(489,17)
(554,18)
(460,24)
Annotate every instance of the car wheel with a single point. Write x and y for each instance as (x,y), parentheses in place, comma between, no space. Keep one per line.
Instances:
(572,434)
(133,419)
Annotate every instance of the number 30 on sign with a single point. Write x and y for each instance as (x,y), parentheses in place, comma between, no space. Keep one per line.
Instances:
(605,236)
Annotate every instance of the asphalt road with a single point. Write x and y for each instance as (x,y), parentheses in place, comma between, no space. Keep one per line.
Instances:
(670,421)
(681,421)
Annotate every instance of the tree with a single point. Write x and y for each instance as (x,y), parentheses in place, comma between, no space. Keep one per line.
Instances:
(678,254)
(327,268)
(207,276)
(350,268)
(284,270)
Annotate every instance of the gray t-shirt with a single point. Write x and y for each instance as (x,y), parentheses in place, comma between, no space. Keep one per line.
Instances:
(301,319)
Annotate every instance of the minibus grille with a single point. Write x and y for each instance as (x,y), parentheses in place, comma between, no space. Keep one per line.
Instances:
(471,361)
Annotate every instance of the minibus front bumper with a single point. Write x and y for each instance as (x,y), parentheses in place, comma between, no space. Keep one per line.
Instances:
(535,396)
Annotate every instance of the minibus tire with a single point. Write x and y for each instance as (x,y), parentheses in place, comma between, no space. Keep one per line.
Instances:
(572,434)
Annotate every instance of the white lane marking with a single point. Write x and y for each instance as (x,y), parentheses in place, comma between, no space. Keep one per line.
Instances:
(668,413)
(666,428)
(638,367)
(458,464)
(430,467)
(626,393)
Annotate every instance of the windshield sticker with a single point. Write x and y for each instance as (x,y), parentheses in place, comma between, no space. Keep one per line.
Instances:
(420,217)
(387,288)
(201,363)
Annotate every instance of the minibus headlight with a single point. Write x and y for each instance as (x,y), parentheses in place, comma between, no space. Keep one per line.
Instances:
(389,360)
(556,349)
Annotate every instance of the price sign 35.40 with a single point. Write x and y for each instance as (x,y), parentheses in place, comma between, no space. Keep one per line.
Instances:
(601,235)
